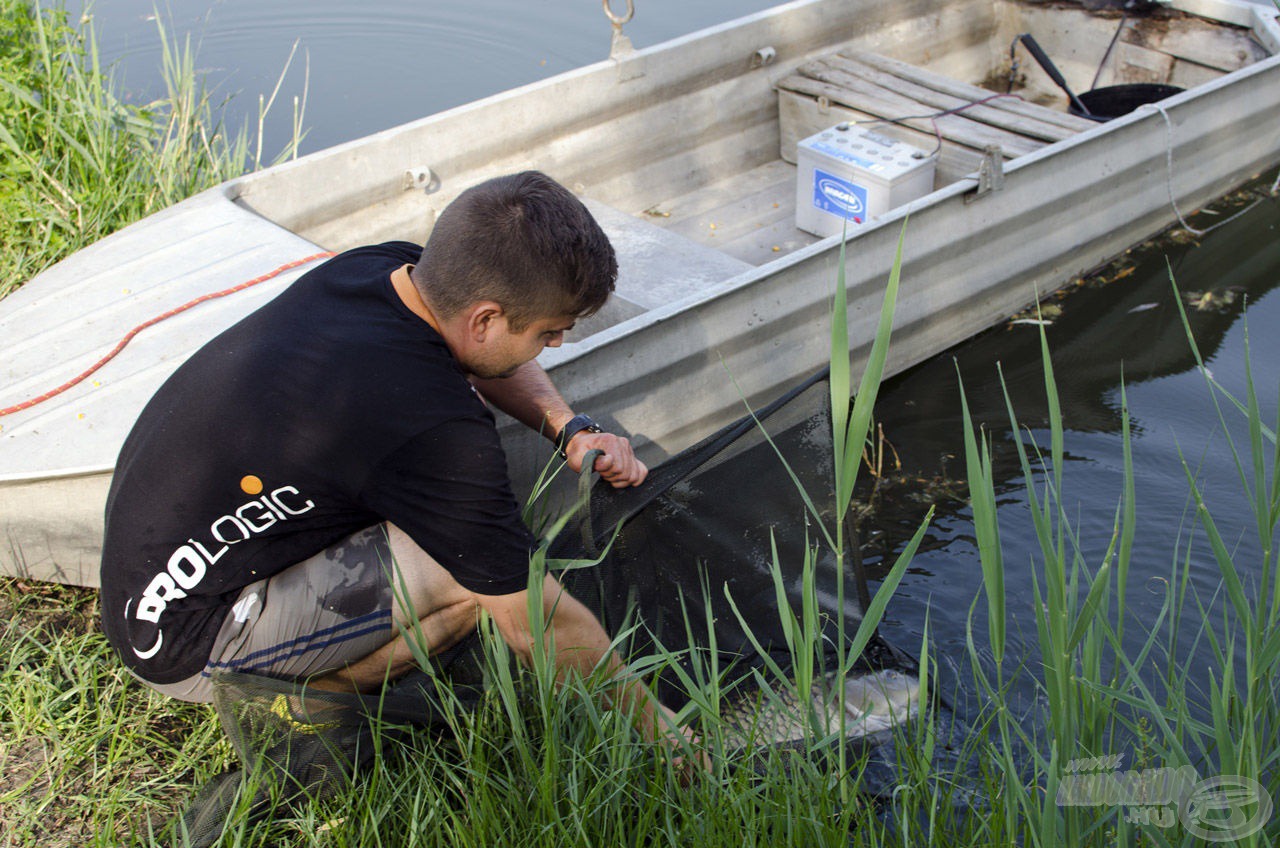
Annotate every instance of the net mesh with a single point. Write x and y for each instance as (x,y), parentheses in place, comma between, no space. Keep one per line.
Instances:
(688,558)
(686,561)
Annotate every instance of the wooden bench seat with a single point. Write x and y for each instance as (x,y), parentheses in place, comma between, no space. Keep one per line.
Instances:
(866,87)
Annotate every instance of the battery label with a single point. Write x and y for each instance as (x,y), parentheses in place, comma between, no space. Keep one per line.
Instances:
(839,197)
(882,140)
(844,155)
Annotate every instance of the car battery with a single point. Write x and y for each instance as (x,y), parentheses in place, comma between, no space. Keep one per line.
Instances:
(847,175)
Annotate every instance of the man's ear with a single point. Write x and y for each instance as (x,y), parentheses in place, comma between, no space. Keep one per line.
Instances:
(481,318)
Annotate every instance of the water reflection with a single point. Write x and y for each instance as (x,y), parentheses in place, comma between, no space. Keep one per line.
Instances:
(1123,325)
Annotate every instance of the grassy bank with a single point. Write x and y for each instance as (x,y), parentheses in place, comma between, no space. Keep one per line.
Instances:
(77,161)
(83,749)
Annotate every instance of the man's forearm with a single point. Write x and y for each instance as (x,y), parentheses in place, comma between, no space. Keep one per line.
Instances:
(582,652)
(530,397)
(582,645)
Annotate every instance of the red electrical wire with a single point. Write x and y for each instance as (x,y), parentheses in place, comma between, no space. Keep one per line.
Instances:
(27,404)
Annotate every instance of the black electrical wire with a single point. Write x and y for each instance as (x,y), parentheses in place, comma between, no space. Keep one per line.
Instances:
(934,116)
(1013,63)
(1124,18)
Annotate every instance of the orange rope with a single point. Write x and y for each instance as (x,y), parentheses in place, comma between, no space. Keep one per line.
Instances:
(27,404)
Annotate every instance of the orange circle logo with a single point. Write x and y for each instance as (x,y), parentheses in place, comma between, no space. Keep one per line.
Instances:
(251,485)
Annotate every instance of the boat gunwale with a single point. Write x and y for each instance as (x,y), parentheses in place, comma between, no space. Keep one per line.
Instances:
(623,329)
(14,480)
(607,66)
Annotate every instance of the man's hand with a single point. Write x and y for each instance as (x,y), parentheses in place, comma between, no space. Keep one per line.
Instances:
(582,647)
(687,768)
(529,397)
(618,466)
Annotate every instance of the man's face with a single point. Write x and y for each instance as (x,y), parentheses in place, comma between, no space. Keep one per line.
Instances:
(504,351)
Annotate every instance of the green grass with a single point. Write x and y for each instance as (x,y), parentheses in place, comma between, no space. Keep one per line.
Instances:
(84,749)
(77,161)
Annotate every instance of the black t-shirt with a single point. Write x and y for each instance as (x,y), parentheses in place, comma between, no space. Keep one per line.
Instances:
(330,409)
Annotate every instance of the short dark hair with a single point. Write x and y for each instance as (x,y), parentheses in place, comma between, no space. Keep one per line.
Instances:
(523,241)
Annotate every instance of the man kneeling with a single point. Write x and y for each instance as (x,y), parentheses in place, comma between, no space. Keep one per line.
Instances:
(330,450)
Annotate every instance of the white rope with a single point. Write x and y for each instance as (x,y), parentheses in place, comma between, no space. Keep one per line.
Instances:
(1168,151)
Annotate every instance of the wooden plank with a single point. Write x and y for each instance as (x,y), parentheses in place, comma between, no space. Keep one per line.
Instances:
(956,88)
(743,213)
(1130,63)
(753,212)
(757,247)
(801,117)
(1213,45)
(1189,74)
(889,106)
(656,265)
(885,104)
(988,113)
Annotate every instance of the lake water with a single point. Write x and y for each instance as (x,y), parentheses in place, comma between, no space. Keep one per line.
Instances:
(379,63)
(1124,327)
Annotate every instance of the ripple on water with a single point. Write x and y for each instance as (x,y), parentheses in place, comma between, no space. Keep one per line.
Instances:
(370,65)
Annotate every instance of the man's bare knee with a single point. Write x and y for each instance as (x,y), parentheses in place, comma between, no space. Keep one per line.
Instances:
(421,586)
(435,633)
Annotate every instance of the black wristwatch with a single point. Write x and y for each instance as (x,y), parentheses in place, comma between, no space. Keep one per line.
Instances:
(576,425)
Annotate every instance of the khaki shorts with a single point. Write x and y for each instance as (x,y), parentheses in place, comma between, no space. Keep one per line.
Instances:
(311,619)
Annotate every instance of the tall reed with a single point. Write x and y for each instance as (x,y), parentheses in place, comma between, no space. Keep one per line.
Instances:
(1105,701)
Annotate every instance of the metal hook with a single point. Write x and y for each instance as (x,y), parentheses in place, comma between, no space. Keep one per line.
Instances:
(618,21)
(620,47)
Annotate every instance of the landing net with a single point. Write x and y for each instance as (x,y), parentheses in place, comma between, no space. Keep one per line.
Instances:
(695,553)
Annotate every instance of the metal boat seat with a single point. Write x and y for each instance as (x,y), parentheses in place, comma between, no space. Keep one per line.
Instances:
(655,267)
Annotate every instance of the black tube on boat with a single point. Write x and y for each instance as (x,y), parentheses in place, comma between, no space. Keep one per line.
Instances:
(1052,70)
